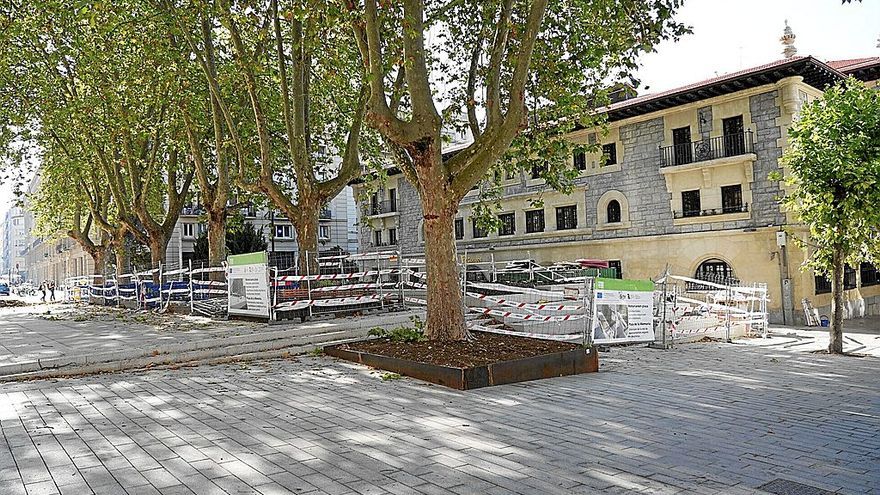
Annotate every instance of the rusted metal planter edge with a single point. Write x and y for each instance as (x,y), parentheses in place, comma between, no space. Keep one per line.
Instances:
(573,362)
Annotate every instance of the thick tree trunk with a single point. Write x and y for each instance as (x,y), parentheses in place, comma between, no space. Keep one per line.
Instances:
(835,345)
(306,226)
(216,237)
(99,257)
(158,246)
(445,308)
(121,259)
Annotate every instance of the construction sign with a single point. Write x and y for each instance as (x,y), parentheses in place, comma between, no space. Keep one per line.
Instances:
(623,311)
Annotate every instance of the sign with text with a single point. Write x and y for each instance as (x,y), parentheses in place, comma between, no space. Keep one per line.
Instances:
(248,279)
(623,311)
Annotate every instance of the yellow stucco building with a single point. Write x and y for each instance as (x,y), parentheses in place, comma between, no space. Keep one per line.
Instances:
(682,181)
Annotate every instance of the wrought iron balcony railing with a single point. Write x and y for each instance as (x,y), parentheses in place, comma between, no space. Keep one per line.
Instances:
(711,211)
(381,207)
(325,214)
(706,149)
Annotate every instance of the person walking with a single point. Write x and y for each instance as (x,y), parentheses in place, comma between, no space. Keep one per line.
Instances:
(43,291)
(52,290)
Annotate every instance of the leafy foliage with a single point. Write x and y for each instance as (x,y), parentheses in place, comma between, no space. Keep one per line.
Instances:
(833,182)
(246,238)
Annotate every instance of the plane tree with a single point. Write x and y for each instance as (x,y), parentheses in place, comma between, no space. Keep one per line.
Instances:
(832,171)
(496,67)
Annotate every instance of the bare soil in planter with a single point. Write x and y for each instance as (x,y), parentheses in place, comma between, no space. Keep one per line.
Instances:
(484,349)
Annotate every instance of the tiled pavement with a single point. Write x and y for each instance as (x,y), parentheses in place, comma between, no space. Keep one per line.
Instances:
(701,418)
(50,331)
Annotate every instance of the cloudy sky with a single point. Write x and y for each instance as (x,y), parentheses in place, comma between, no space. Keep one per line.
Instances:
(729,36)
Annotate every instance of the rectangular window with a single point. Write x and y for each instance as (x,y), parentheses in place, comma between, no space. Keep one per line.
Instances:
(392,200)
(188,230)
(283,232)
(823,284)
(849,277)
(580,160)
(459,228)
(324,231)
(566,218)
(734,136)
(374,204)
(534,221)
(609,154)
(732,199)
(538,170)
(617,266)
(392,237)
(202,228)
(377,238)
(477,231)
(690,203)
(681,145)
(508,224)
(869,274)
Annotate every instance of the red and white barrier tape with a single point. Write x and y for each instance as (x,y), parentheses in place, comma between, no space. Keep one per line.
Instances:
(340,276)
(564,337)
(342,301)
(524,317)
(523,305)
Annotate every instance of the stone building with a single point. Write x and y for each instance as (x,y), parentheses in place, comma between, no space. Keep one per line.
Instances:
(682,180)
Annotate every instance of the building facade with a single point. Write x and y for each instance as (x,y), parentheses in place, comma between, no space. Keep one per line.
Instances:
(683,181)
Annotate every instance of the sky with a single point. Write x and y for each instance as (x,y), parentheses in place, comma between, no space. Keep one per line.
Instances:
(729,36)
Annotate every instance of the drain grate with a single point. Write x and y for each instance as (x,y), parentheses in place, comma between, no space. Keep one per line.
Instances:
(780,486)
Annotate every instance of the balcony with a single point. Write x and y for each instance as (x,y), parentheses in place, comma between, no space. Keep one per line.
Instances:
(707,149)
(382,208)
(744,208)
(325,214)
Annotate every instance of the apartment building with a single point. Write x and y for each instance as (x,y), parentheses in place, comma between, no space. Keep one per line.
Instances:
(682,180)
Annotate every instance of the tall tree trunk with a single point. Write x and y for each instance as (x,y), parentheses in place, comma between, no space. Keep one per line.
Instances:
(216,236)
(835,345)
(158,246)
(445,309)
(99,257)
(306,226)
(121,259)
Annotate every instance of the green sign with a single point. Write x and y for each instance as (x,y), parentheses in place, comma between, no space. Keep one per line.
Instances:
(248,259)
(628,285)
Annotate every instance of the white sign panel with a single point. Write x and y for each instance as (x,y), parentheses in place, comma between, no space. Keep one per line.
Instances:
(623,311)
(248,279)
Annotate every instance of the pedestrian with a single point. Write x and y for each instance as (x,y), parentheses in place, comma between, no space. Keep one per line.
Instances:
(43,291)
(52,290)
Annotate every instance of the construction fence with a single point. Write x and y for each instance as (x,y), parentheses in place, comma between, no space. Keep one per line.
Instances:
(569,301)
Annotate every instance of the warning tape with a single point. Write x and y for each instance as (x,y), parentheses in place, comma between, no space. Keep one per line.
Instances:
(524,317)
(209,269)
(517,290)
(562,337)
(342,301)
(340,276)
(523,305)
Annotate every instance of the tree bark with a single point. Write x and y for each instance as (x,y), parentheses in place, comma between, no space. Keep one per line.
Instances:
(99,258)
(158,246)
(306,226)
(835,345)
(121,259)
(445,309)
(216,237)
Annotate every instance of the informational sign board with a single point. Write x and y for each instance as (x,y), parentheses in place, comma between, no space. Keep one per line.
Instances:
(248,280)
(623,311)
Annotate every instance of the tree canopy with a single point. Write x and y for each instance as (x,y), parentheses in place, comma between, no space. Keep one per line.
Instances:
(833,183)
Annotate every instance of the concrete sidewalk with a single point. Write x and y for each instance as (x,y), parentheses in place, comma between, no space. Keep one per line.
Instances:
(56,340)
(701,418)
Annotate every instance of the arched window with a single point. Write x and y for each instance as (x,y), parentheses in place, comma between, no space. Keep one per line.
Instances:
(613,211)
(715,270)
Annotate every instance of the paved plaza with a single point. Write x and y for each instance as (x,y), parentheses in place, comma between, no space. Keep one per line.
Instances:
(700,418)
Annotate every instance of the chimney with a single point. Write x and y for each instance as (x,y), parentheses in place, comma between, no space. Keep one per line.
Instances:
(787,40)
